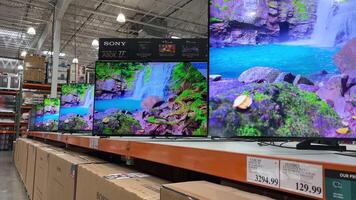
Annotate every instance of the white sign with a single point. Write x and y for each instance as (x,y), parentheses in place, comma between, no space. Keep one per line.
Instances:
(59,137)
(94,143)
(263,171)
(302,178)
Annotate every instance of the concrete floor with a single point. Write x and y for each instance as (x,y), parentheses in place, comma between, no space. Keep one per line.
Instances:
(11,187)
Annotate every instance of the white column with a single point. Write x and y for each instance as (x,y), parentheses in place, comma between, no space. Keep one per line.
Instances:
(56,49)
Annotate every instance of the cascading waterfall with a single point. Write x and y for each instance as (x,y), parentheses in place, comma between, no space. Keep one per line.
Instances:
(156,84)
(336,22)
(88,98)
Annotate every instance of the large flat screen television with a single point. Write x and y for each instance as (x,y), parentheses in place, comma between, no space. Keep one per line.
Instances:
(51,114)
(38,117)
(283,69)
(76,110)
(151,98)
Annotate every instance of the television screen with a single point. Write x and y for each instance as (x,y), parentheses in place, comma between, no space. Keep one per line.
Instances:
(76,111)
(32,118)
(51,114)
(282,69)
(38,119)
(152,98)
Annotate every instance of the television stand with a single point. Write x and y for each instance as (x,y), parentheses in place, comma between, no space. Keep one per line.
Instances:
(320,144)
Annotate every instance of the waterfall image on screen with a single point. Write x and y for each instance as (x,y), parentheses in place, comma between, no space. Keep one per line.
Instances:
(155,98)
(76,111)
(38,121)
(282,68)
(51,114)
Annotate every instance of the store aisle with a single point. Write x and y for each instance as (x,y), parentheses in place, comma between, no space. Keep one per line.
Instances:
(11,187)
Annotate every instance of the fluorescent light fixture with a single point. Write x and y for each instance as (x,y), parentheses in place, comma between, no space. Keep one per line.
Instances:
(75,61)
(31,31)
(175,37)
(20,67)
(62,54)
(121,18)
(23,53)
(95,43)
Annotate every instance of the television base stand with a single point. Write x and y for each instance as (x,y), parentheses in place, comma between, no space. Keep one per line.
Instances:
(320,144)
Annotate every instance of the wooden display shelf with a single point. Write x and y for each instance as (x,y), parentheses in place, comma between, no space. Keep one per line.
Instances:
(39,86)
(11,123)
(7,114)
(7,132)
(26,107)
(227,160)
(8,92)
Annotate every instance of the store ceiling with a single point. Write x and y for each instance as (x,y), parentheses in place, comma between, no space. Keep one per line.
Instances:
(86,20)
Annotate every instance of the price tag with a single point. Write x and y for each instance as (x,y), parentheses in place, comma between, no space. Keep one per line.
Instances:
(59,137)
(94,143)
(302,178)
(263,171)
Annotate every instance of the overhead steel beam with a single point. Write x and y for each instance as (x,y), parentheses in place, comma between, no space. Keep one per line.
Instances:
(111,15)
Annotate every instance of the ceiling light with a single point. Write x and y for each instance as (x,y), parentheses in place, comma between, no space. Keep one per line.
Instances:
(20,67)
(75,61)
(23,53)
(95,43)
(121,18)
(31,31)
(175,37)
(62,54)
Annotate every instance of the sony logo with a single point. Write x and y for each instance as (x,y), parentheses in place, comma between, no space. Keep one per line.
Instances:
(113,43)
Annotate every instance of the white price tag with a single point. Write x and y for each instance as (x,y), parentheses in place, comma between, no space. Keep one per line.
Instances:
(59,137)
(302,178)
(263,171)
(94,143)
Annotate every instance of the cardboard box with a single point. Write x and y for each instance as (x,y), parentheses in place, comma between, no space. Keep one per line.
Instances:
(31,165)
(62,174)
(35,61)
(22,148)
(40,190)
(202,190)
(112,182)
(34,75)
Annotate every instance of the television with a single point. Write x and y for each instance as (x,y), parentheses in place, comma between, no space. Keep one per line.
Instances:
(76,110)
(38,117)
(151,98)
(282,70)
(51,114)
(32,118)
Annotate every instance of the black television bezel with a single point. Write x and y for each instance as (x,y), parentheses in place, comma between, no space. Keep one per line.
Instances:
(152,136)
(75,131)
(260,138)
(58,113)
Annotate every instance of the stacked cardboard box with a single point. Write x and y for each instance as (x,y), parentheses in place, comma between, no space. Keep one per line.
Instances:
(111,182)
(35,69)
(203,190)
(51,173)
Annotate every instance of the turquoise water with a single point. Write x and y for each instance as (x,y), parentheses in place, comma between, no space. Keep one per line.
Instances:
(47,117)
(230,62)
(127,104)
(77,110)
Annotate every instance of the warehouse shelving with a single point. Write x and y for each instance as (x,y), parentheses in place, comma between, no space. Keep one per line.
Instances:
(223,159)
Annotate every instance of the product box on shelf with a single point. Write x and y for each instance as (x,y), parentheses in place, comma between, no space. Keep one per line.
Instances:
(21,157)
(40,189)
(31,165)
(34,69)
(62,174)
(111,182)
(204,190)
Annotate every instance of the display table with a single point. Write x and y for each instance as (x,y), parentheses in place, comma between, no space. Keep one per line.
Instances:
(307,173)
